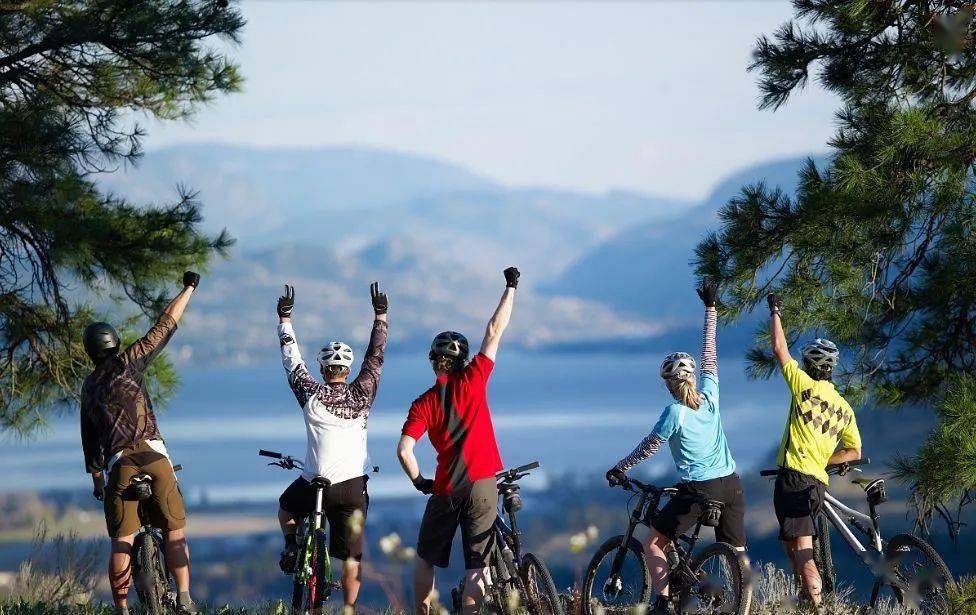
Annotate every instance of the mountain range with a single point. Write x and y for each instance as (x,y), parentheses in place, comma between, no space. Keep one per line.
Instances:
(596,267)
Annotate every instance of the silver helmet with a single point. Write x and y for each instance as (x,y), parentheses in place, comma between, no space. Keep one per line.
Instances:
(821,353)
(450,344)
(335,353)
(680,365)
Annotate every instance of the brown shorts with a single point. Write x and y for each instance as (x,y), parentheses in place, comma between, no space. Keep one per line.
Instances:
(474,508)
(164,508)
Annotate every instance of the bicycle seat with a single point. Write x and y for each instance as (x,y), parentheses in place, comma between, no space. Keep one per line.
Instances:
(670,491)
(141,478)
(319,482)
(139,488)
(873,487)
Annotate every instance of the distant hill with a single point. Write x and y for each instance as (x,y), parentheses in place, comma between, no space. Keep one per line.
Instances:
(646,268)
(610,266)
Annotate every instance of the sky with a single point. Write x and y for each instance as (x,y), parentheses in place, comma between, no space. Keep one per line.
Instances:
(593,96)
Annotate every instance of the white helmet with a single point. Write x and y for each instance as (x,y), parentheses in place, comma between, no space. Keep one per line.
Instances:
(451,344)
(680,365)
(335,353)
(821,353)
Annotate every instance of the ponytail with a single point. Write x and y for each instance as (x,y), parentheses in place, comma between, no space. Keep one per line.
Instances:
(685,391)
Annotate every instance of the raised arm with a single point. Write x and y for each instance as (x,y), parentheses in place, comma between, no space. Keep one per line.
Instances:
(301,382)
(503,314)
(709,354)
(781,349)
(369,374)
(146,348)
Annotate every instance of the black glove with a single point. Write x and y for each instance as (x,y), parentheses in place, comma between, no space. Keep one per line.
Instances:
(380,302)
(616,476)
(511,277)
(286,303)
(191,278)
(423,485)
(775,303)
(708,293)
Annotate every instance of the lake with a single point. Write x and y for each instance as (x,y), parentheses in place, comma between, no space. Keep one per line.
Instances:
(574,414)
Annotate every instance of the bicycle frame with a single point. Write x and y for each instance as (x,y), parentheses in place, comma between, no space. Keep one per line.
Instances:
(832,505)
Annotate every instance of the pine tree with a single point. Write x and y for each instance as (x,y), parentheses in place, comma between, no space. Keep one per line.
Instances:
(876,248)
(74,75)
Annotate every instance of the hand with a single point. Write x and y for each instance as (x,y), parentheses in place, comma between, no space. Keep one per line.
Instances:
(708,293)
(616,476)
(423,485)
(512,277)
(380,302)
(98,487)
(286,303)
(191,278)
(775,303)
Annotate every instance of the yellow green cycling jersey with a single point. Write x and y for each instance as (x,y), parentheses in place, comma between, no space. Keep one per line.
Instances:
(819,419)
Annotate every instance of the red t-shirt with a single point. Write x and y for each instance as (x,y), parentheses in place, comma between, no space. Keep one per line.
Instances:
(454,412)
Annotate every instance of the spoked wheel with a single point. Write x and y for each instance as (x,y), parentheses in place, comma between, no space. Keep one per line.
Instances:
(917,566)
(505,595)
(823,557)
(721,582)
(150,573)
(311,584)
(541,597)
(617,579)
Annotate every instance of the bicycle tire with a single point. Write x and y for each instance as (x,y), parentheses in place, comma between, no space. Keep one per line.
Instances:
(639,590)
(541,597)
(933,601)
(738,598)
(150,579)
(499,595)
(823,557)
(300,594)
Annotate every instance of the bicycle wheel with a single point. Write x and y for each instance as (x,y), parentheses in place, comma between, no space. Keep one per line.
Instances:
(149,572)
(504,595)
(301,596)
(620,589)
(823,557)
(541,596)
(721,582)
(917,565)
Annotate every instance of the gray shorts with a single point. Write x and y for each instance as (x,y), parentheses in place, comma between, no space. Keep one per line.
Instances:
(474,508)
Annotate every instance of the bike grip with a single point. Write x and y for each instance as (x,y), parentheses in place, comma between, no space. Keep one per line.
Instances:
(860,462)
(271,454)
(527,467)
(178,467)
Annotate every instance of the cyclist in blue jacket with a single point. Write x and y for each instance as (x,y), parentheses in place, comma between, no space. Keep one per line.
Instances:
(692,428)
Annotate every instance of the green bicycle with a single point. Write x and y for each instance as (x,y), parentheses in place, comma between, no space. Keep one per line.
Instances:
(312,581)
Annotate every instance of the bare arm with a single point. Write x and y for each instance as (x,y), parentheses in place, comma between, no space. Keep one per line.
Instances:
(503,314)
(176,307)
(408,461)
(844,455)
(781,349)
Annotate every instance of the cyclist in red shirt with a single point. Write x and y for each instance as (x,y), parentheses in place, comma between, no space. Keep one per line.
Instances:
(454,413)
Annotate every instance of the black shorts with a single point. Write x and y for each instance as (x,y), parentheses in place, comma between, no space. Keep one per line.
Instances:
(682,511)
(475,509)
(339,502)
(797,499)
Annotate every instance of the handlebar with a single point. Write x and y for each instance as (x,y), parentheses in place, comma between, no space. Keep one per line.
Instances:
(283,461)
(834,468)
(518,473)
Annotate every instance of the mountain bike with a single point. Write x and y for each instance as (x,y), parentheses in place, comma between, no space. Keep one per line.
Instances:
(909,566)
(153,582)
(312,581)
(715,580)
(518,580)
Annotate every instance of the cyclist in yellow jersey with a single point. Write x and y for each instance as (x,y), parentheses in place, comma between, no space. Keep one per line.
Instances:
(819,420)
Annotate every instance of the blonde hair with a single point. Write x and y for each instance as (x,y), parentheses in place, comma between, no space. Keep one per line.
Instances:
(685,390)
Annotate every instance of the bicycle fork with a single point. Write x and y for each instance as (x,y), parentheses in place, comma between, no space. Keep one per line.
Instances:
(614,584)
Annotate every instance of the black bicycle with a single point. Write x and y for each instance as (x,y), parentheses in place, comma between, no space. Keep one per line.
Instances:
(909,566)
(154,583)
(518,580)
(312,580)
(715,580)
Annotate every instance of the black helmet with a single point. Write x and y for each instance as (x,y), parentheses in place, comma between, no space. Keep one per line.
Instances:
(451,344)
(101,341)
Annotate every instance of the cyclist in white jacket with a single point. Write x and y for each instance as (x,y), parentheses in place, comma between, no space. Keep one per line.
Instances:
(335,422)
